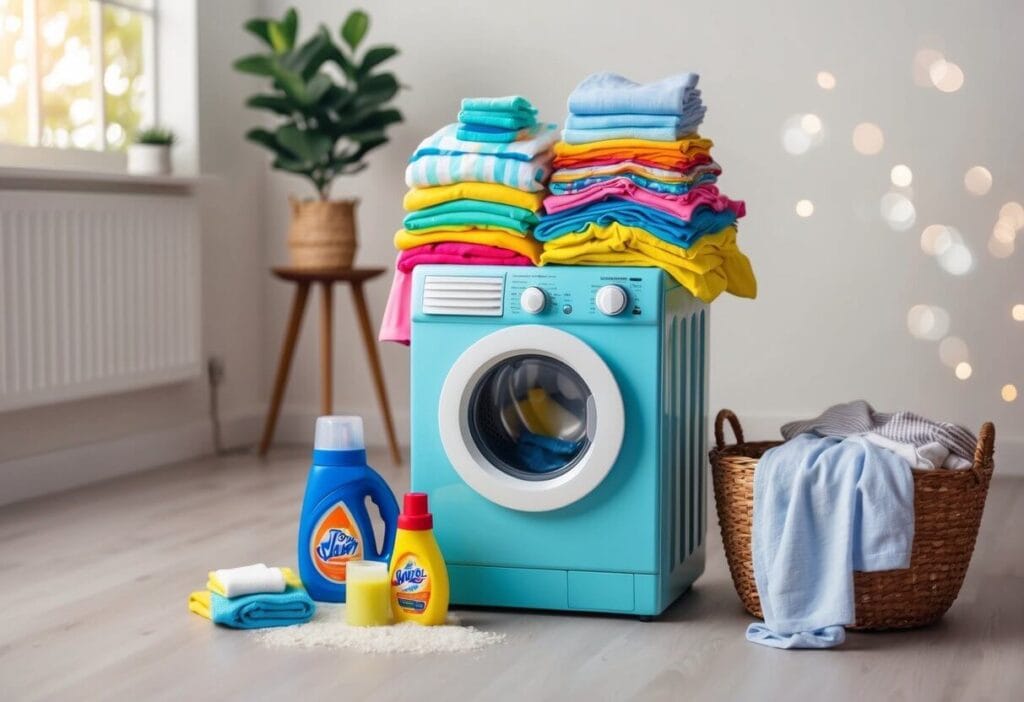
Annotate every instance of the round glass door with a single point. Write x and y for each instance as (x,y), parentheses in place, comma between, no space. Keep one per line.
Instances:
(531,418)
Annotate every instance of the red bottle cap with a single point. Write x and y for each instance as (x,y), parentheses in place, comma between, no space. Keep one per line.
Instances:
(415,514)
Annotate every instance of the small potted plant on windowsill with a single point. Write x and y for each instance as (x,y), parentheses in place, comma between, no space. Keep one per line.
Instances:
(331,110)
(150,153)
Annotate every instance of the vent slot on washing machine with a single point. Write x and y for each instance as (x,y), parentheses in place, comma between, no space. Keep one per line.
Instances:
(475,296)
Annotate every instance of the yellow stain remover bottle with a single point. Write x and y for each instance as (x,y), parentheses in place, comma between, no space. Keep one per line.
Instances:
(419,579)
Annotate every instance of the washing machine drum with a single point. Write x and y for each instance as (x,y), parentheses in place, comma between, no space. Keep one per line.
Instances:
(531,418)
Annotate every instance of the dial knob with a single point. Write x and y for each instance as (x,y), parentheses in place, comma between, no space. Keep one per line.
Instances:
(533,300)
(611,300)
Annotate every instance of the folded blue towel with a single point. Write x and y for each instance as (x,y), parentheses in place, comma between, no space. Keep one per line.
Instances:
(587,136)
(502,120)
(610,93)
(508,103)
(703,220)
(261,610)
(656,186)
(483,132)
(633,119)
(824,507)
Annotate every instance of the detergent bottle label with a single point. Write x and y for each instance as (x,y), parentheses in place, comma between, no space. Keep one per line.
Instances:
(411,585)
(336,541)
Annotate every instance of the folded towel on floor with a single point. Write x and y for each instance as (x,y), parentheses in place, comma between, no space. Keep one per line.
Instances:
(446,142)
(702,220)
(824,507)
(713,265)
(923,442)
(623,189)
(431,170)
(651,185)
(232,582)
(469,212)
(610,93)
(256,611)
(422,198)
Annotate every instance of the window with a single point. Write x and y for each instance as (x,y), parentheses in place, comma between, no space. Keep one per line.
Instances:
(76,74)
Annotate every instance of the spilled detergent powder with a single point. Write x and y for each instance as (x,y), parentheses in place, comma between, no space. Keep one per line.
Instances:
(329,630)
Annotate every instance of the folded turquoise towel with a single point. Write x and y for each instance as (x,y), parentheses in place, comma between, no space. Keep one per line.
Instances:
(588,136)
(508,103)
(823,508)
(293,606)
(504,120)
(469,211)
(632,119)
(491,135)
(610,93)
(481,220)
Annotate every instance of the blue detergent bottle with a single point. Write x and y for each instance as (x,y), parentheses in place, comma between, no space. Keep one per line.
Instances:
(335,526)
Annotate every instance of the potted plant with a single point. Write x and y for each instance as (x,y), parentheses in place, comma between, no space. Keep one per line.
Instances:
(330,108)
(150,152)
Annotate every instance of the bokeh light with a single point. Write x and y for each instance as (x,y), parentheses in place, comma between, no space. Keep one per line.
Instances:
(805,208)
(963,370)
(898,211)
(801,132)
(953,351)
(927,322)
(868,138)
(1017,312)
(1013,212)
(978,180)
(1004,230)
(957,259)
(1009,392)
(946,76)
(923,61)
(936,238)
(901,175)
(999,248)
(826,81)
(811,124)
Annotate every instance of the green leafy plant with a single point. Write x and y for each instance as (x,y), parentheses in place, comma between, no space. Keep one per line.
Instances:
(156,136)
(332,104)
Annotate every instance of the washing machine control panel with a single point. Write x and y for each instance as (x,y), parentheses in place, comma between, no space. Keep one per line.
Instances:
(533,300)
(581,295)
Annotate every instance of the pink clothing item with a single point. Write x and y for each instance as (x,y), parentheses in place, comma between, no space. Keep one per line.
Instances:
(396,325)
(681,206)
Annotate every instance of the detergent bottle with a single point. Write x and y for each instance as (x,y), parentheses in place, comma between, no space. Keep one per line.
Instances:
(419,578)
(335,526)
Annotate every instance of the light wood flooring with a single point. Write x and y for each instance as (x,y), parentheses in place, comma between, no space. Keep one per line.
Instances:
(93,585)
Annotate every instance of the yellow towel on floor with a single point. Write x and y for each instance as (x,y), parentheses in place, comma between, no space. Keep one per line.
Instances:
(199,603)
(213,583)
(713,265)
(527,246)
(421,198)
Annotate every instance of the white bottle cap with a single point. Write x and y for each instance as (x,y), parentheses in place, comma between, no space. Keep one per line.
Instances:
(338,433)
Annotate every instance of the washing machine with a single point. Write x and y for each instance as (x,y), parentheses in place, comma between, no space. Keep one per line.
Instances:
(559,420)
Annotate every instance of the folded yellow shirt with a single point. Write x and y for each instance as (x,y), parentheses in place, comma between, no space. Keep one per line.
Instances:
(421,198)
(467,228)
(713,265)
(663,154)
(513,241)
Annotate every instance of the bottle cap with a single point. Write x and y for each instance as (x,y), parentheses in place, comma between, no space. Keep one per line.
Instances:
(338,433)
(415,514)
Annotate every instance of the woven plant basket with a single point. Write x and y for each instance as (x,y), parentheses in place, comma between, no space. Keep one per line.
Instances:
(947,513)
(322,235)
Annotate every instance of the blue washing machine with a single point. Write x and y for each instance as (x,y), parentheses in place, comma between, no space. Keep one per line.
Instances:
(559,426)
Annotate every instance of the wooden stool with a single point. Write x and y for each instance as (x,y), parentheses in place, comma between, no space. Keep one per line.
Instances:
(355,277)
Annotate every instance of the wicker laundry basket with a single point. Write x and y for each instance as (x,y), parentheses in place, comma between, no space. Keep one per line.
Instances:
(947,510)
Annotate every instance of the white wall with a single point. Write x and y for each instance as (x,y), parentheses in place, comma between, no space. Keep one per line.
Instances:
(830,321)
(232,280)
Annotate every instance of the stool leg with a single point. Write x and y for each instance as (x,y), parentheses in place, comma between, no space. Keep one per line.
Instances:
(326,351)
(284,364)
(370,342)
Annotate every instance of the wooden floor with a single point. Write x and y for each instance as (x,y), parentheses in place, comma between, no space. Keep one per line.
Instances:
(93,585)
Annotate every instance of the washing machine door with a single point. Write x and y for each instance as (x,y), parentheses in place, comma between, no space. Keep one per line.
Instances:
(531,418)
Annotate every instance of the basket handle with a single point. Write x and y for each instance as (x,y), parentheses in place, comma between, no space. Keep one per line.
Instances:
(734,422)
(984,450)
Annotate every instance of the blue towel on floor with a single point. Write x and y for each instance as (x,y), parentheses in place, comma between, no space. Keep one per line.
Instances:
(684,233)
(293,606)
(823,508)
(610,93)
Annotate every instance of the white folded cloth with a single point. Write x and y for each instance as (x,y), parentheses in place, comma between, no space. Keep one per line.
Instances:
(234,582)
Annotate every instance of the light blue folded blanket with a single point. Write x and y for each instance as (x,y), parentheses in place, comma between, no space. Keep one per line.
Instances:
(633,119)
(610,93)
(682,233)
(655,186)
(293,606)
(586,136)
(824,507)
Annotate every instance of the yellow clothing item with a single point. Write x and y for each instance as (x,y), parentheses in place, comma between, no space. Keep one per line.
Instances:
(213,583)
(467,228)
(199,602)
(663,154)
(527,246)
(562,176)
(421,198)
(714,264)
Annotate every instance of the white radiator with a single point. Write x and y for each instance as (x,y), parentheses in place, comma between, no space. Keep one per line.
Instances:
(99,293)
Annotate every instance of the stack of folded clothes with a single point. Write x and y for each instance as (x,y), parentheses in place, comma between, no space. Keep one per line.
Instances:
(475,189)
(253,597)
(634,185)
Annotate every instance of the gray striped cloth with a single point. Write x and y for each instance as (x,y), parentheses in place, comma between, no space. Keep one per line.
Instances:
(858,417)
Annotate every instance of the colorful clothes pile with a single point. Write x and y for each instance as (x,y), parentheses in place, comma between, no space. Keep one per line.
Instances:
(634,185)
(475,189)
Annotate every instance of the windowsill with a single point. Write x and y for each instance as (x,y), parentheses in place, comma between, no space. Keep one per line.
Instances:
(19,178)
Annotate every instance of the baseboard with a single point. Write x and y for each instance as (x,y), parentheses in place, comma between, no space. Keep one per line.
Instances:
(42,474)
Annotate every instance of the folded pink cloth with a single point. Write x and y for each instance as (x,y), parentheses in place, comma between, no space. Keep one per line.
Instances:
(681,206)
(396,325)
